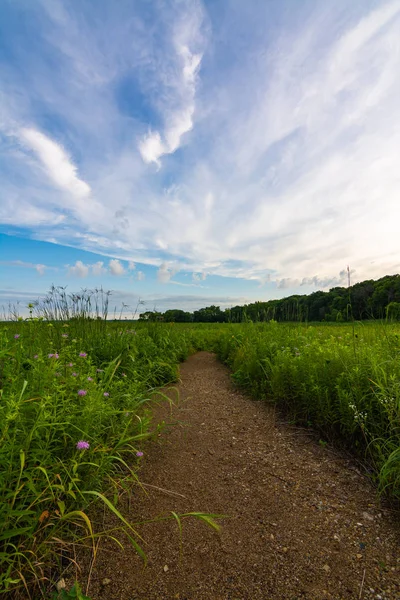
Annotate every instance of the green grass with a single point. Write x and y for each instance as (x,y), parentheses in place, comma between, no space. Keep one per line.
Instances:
(91,380)
(342,380)
(62,383)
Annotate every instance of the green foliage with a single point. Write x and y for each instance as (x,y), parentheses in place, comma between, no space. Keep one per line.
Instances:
(343,380)
(62,383)
(90,380)
(370,299)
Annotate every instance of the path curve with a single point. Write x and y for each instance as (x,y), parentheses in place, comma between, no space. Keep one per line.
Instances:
(304,523)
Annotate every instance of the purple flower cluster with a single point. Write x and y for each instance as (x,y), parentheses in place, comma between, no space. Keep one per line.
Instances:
(56,356)
(82,445)
(82,393)
(106,394)
(139,454)
(83,354)
(16,336)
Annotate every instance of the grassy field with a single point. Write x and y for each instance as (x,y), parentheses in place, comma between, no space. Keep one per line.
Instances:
(75,413)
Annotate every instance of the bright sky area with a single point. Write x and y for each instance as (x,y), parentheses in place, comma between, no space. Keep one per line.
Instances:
(190,153)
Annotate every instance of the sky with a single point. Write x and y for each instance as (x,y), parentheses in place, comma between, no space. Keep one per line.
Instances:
(186,153)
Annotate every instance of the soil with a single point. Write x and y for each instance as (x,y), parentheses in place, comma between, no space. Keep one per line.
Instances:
(303,520)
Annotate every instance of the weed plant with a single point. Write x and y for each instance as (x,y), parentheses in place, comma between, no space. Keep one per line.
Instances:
(75,411)
(342,380)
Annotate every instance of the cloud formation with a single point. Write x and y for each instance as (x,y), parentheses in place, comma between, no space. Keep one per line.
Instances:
(116,268)
(276,147)
(55,161)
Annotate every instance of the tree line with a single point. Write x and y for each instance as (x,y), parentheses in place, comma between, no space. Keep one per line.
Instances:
(370,299)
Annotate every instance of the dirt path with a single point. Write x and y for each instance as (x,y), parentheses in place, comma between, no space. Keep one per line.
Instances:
(304,523)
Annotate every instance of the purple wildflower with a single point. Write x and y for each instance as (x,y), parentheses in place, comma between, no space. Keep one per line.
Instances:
(82,393)
(106,394)
(82,445)
(74,374)
(70,365)
(139,453)
(90,378)
(123,374)
(16,336)
(50,355)
(82,354)
(36,356)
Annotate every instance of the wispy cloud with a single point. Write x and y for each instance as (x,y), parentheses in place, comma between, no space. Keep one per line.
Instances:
(288,137)
(56,162)
(177,80)
(41,269)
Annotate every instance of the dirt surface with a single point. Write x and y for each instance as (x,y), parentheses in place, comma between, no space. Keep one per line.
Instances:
(303,521)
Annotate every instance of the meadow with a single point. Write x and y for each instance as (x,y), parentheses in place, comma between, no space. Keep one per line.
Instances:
(75,414)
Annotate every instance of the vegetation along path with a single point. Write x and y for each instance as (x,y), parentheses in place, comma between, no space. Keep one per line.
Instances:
(303,521)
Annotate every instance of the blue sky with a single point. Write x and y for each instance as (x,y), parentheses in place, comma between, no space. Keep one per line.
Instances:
(188,153)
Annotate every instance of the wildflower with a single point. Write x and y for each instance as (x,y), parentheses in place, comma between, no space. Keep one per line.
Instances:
(123,374)
(56,356)
(64,335)
(82,393)
(100,370)
(74,374)
(36,356)
(90,378)
(139,454)
(70,365)
(16,336)
(106,394)
(51,355)
(82,445)
(82,354)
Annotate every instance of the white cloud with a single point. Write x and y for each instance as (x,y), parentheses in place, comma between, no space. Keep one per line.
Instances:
(131,266)
(98,268)
(140,276)
(165,273)
(291,170)
(56,162)
(79,269)
(116,268)
(199,276)
(41,269)
(178,106)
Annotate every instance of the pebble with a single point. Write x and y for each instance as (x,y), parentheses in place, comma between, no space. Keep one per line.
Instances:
(166,568)
(326,568)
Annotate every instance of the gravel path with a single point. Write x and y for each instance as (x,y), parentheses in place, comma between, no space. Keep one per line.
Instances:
(303,521)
